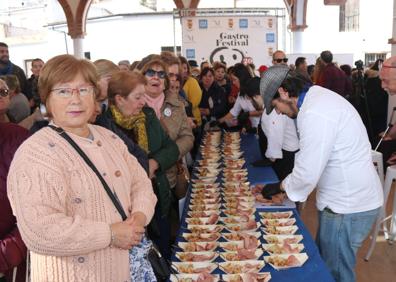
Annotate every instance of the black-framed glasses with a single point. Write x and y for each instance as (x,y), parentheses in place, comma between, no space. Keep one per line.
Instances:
(281,60)
(4,92)
(152,73)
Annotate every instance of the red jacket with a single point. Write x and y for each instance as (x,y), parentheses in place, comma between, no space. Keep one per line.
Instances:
(12,249)
(335,79)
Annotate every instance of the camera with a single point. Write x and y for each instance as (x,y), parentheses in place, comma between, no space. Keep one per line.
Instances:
(359,64)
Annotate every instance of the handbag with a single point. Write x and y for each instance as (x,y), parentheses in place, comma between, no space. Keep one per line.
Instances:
(181,180)
(150,261)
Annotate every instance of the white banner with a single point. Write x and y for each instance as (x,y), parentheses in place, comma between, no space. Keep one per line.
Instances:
(229,39)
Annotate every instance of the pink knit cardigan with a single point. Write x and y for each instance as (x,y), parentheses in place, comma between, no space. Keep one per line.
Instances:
(62,210)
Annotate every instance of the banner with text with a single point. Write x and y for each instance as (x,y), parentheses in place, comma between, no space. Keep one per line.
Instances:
(229,39)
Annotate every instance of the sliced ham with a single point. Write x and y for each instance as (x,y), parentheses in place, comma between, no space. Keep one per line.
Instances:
(205,277)
(213,218)
(292,261)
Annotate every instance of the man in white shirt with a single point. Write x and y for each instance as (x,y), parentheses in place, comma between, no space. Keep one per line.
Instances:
(335,157)
(280,133)
(282,145)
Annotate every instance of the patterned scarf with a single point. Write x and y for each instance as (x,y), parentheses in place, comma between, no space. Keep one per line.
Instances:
(136,123)
(155,103)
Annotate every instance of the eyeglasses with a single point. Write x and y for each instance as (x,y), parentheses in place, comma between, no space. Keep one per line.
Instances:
(4,92)
(152,73)
(68,92)
(281,60)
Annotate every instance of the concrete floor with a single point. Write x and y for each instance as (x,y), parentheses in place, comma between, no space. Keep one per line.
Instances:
(382,265)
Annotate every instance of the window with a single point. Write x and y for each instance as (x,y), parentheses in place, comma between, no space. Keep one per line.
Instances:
(370,58)
(349,16)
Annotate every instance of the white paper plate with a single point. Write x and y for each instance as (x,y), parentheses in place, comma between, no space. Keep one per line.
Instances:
(241,227)
(205,228)
(278,222)
(235,212)
(205,256)
(236,267)
(232,246)
(189,267)
(191,277)
(203,213)
(270,239)
(302,258)
(195,201)
(264,276)
(204,195)
(235,219)
(297,248)
(203,237)
(284,230)
(204,207)
(194,246)
(276,215)
(227,236)
(226,255)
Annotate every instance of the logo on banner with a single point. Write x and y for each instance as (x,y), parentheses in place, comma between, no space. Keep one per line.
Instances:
(243,23)
(270,51)
(190,53)
(189,38)
(189,24)
(226,55)
(270,22)
(215,23)
(231,23)
(256,23)
(270,37)
(203,24)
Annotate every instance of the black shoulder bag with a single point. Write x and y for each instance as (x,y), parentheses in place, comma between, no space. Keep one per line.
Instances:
(159,264)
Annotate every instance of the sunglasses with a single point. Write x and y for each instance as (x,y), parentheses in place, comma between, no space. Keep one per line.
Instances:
(152,73)
(281,60)
(4,92)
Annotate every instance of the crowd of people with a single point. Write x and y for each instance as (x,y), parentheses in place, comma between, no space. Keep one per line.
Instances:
(140,126)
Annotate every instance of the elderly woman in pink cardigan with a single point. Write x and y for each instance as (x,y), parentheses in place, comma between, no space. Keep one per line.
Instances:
(65,217)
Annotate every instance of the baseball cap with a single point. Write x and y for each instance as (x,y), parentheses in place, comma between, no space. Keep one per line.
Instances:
(262,68)
(270,83)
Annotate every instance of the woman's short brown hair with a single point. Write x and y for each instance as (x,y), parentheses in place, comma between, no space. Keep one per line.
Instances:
(123,83)
(105,67)
(62,69)
(219,65)
(12,82)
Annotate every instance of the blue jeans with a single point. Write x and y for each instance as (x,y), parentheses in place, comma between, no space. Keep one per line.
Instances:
(339,237)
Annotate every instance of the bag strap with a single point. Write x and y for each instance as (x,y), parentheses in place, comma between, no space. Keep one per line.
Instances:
(112,195)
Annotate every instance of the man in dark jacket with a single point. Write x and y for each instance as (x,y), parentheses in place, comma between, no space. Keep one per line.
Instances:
(334,78)
(7,67)
(12,248)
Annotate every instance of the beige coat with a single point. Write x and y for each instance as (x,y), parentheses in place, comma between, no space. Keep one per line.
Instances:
(174,120)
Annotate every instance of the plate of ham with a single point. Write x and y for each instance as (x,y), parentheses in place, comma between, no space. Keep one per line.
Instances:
(278,222)
(280,239)
(286,261)
(284,248)
(194,267)
(236,267)
(202,277)
(197,246)
(196,256)
(276,215)
(247,277)
(242,254)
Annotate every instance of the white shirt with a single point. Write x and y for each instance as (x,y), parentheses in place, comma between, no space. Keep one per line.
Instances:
(245,104)
(335,156)
(281,133)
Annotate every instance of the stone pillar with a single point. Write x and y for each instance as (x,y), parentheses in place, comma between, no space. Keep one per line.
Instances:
(76,14)
(78,47)
(297,10)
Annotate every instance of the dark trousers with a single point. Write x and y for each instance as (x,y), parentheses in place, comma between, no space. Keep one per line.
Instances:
(283,167)
(160,232)
(387,148)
